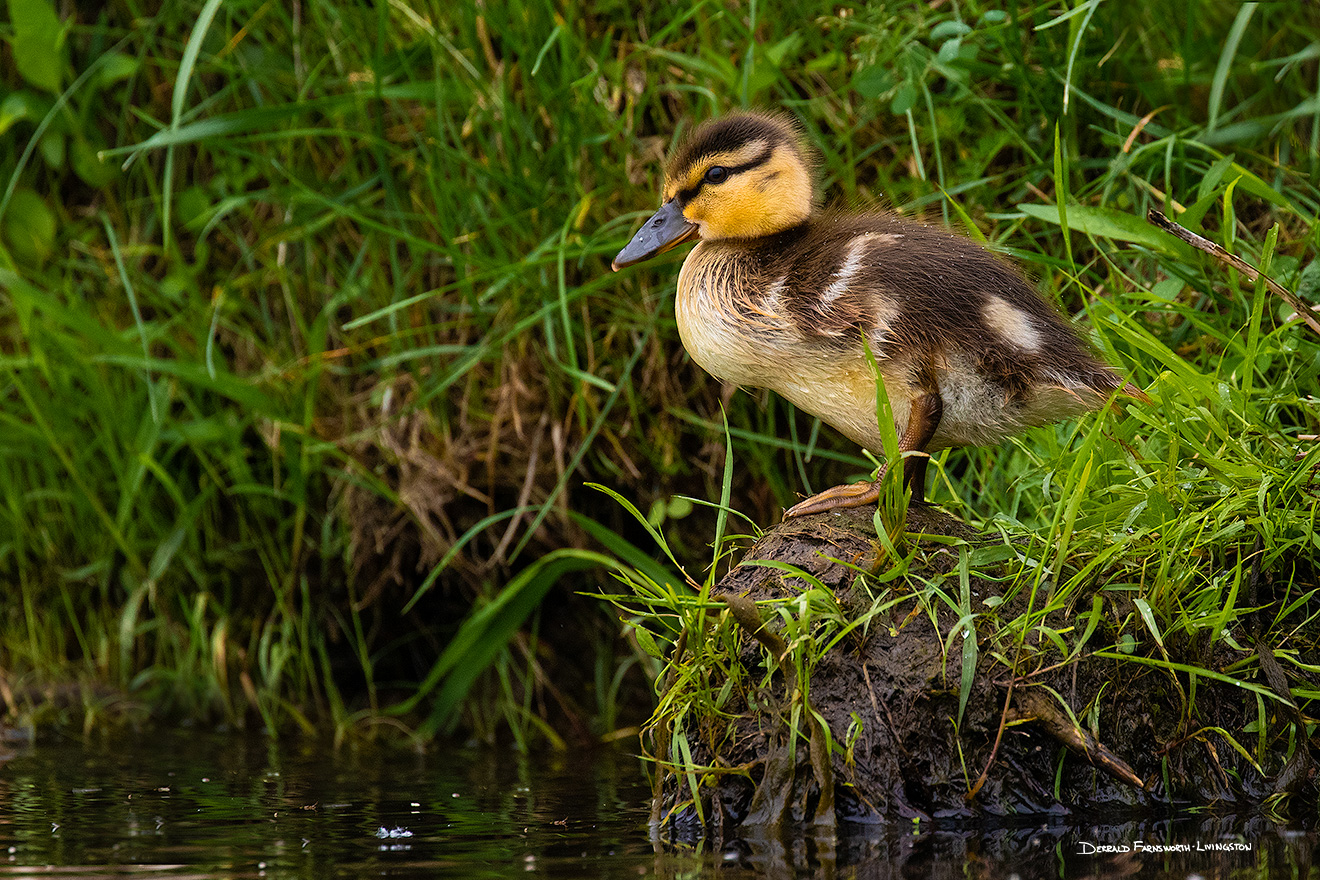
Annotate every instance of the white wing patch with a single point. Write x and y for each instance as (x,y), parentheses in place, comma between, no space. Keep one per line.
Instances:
(852,264)
(1012,324)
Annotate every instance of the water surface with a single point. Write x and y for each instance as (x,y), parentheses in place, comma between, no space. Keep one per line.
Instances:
(178,804)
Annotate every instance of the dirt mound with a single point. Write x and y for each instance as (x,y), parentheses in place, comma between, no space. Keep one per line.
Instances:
(876,727)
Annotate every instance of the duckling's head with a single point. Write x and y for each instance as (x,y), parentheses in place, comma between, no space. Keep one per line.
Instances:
(741,176)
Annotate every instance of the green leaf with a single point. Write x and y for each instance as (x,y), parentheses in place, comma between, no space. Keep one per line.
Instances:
(872,82)
(646,642)
(1148,617)
(38,42)
(1168,289)
(1109,223)
(966,626)
(949,28)
(239,389)
(1092,619)
(1257,187)
(904,99)
(1086,7)
(825,62)
(194,207)
(168,548)
(189,59)
(29,227)
(88,165)
(628,552)
(22,105)
(1213,175)
(1309,286)
(487,631)
(679,507)
(116,68)
(656,514)
(51,147)
(784,49)
(1225,65)
(1061,187)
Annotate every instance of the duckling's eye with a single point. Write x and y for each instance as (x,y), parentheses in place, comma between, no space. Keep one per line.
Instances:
(716,174)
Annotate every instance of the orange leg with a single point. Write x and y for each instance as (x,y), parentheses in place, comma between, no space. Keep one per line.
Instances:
(922,422)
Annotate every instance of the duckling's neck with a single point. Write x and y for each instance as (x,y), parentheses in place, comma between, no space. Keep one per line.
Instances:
(731,308)
(756,248)
(780,241)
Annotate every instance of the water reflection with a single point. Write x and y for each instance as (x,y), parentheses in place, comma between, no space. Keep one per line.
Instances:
(1175,847)
(183,805)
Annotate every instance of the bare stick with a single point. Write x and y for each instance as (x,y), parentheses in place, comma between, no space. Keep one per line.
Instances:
(1155,218)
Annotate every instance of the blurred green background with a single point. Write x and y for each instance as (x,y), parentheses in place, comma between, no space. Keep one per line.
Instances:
(309,342)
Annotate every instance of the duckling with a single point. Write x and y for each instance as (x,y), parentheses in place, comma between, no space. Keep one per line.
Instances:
(779,294)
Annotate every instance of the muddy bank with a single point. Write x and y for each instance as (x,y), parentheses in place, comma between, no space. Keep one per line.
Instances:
(882,731)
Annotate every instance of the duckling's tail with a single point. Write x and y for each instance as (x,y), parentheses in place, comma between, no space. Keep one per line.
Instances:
(1134,392)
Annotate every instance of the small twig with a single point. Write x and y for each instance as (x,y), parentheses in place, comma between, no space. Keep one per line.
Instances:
(994,750)
(1136,129)
(1035,706)
(1155,218)
(524,495)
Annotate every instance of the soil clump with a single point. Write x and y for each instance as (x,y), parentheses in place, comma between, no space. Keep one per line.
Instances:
(880,735)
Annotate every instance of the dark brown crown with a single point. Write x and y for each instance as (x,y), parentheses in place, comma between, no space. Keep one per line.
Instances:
(731,132)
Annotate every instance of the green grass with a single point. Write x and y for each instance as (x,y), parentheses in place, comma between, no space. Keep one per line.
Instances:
(308,341)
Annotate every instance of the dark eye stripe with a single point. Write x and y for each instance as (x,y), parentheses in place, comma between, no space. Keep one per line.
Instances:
(686,195)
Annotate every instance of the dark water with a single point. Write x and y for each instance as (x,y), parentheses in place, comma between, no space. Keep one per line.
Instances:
(177,805)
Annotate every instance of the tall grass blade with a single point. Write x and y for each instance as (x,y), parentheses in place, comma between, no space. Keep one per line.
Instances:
(1225,65)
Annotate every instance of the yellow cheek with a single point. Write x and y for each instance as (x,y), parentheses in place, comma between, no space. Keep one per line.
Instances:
(740,213)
